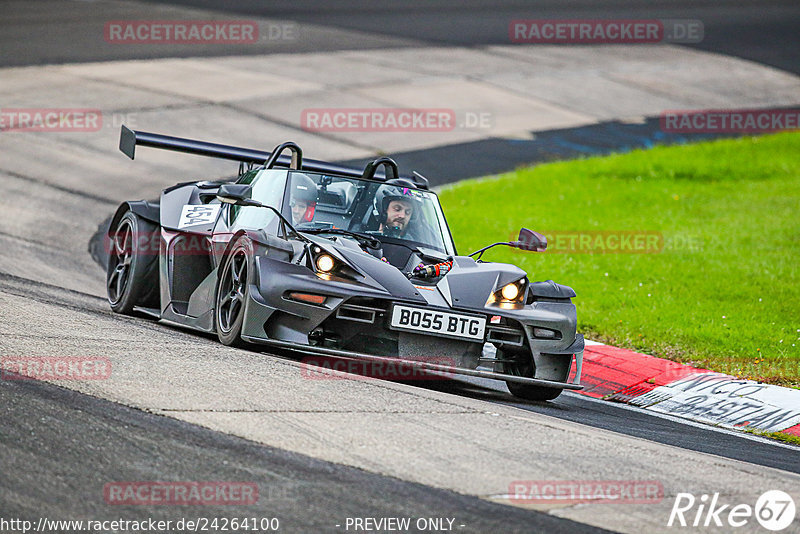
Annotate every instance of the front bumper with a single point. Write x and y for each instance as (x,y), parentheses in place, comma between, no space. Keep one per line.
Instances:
(358,316)
(442,370)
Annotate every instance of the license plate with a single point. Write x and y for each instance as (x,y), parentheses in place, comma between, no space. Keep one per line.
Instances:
(438,322)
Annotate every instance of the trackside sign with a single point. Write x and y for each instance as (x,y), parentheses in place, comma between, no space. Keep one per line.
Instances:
(725,400)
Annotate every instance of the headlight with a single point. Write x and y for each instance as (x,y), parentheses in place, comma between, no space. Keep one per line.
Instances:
(328,266)
(510,291)
(325,263)
(510,295)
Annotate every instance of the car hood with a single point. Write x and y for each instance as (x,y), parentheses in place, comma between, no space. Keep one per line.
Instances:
(376,274)
(468,284)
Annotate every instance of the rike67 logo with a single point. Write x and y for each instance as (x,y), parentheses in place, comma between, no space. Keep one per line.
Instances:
(774,510)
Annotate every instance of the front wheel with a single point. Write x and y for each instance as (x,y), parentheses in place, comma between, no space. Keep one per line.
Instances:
(532,393)
(232,293)
(524,367)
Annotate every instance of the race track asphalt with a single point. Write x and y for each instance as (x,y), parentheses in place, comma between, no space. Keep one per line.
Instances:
(181,407)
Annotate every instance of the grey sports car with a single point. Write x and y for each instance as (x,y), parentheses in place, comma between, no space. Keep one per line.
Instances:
(317,257)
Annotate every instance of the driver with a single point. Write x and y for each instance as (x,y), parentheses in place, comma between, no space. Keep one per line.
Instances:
(303,199)
(396,208)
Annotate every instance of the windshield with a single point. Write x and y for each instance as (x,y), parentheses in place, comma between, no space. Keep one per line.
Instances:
(383,210)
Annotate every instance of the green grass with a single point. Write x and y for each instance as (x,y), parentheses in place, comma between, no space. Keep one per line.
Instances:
(780,436)
(722,294)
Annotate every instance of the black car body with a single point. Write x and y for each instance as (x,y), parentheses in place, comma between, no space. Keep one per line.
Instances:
(231,258)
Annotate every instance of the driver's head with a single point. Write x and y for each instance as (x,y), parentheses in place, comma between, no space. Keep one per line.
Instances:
(395,206)
(398,214)
(303,198)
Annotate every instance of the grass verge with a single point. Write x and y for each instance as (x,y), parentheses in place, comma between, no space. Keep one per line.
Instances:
(710,235)
(779,436)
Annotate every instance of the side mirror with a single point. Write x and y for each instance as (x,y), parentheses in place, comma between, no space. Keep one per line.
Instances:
(530,240)
(527,240)
(238,194)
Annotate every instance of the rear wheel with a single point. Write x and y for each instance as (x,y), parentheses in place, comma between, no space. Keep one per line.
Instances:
(132,273)
(524,367)
(232,294)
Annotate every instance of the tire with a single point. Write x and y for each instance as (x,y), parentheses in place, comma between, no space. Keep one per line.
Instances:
(532,393)
(232,293)
(527,391)
(132,273)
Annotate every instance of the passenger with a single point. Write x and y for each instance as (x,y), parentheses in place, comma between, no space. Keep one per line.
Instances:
(303,198)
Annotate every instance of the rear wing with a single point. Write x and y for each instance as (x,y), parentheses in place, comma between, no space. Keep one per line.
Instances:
(129,139)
